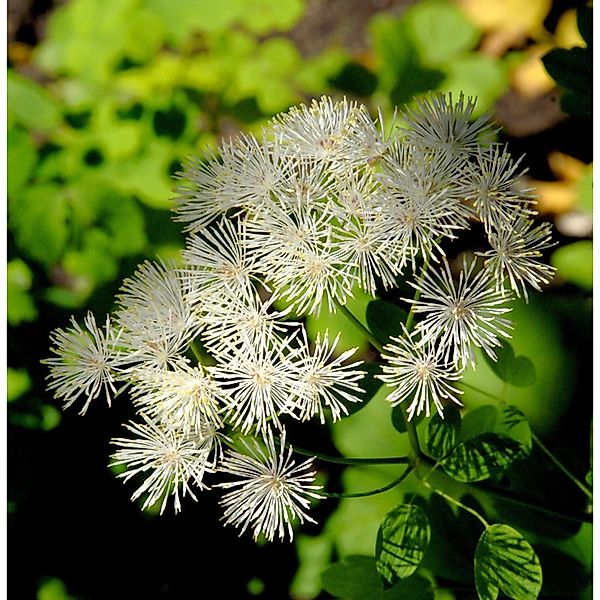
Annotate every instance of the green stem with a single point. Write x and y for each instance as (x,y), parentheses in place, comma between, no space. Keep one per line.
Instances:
(411,312)
(372,339)
(380,490)
(343,460)
(410,426)
(564,469)
(507,496)
(456,502)
(479,391)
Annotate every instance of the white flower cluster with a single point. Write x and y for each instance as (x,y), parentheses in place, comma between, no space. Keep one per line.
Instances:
(325,202)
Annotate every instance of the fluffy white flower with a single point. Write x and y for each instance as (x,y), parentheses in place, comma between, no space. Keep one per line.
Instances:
(516,253)
(186,398)
(460,316)
(169,460)
(259,382)
(156,314)
(271,490)
(438,123)
(325,381)
(419,373)
(493,185)
(87,362)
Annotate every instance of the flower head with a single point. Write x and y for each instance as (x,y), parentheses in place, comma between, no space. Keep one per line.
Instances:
(461,316)
(271,491)
(515,256)
(87,362)
(419,373)
(169,459)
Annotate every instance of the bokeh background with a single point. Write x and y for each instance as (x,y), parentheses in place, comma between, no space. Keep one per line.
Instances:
(106,99)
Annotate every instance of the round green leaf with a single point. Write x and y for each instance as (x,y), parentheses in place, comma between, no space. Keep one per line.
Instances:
(401,542)
(482,457)
(442,433)
(440,31)
(506,563)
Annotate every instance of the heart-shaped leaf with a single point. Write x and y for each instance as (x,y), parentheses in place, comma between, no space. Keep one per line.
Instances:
(506,563)
(401,542)
(516,370)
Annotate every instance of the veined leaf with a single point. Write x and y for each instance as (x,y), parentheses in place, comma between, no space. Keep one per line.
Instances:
(401,542)
(482,457)
(506,563)
(442,434)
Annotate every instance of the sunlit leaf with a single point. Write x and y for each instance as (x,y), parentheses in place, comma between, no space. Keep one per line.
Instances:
(442,434)
(264,16)
(506,563)
(30,104)
(401,542)
(440,31)
(477,75)
(482,457)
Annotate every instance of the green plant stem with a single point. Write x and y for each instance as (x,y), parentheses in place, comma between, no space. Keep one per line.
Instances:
(411,429)
(456,502)
(411,312)
(372,339)
(479,391)
(380,490)
(343,460)
(508,496)
(564,469)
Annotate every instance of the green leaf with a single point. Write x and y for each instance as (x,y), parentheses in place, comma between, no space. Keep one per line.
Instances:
(585,23)
(574,263)
(18,383)
(30,104)
(38,220)
(401,542)
(123,220)
(442,434)
(401,72)
(20,306)
(369,383)
(506,563)
(572,69)
(477,421)
(482,457)
(356,578)
(385,320)
(398,419)
(264,16)
(440,31)
(21,157)
(516,370)
(478,75)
